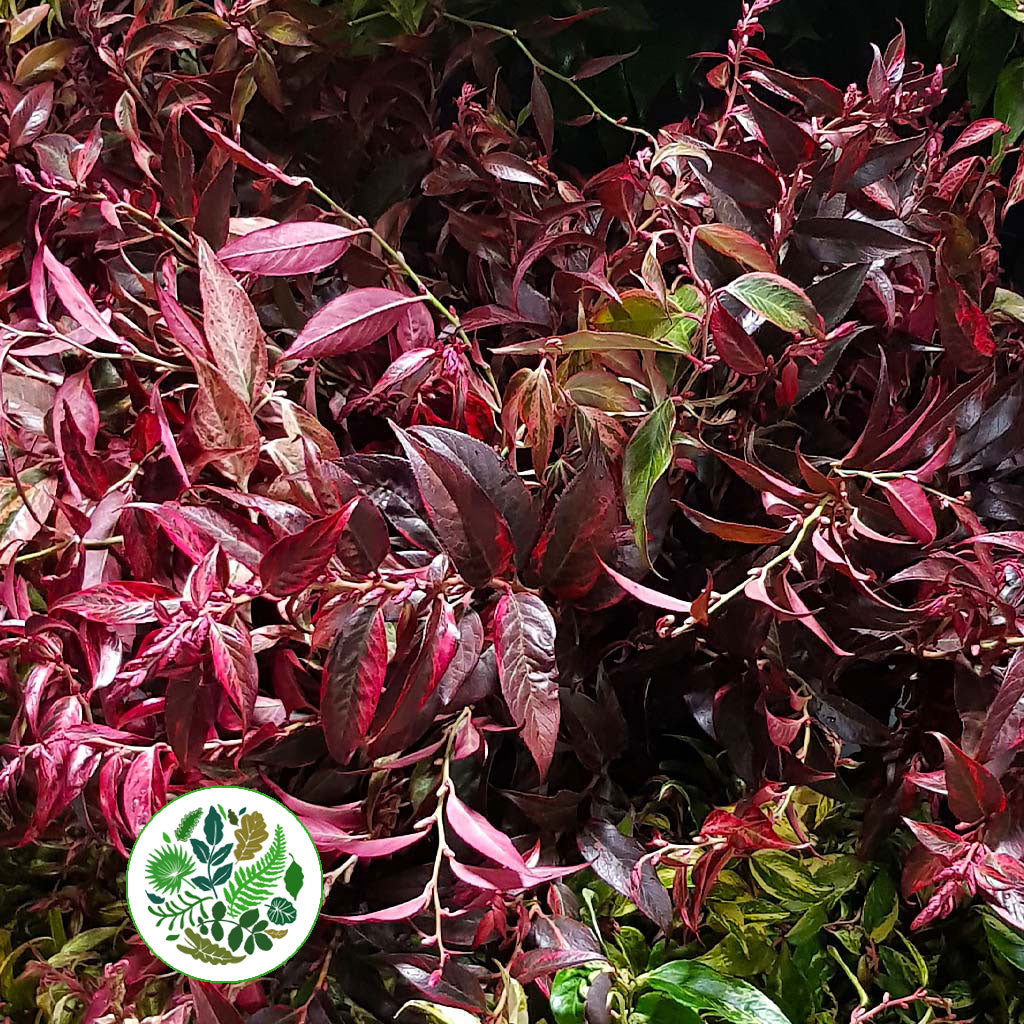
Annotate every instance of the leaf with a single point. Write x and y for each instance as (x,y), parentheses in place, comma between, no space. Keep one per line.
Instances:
(475,830)
(1008,103)
(438,1014)
(845,240)
(512,168)
(779,301)
(253,883)
(353,678)
(908,500)
(542,111)
(250,836)
(737,349)
(29,117)
(43,61)
(207,951)
(234,665)
(588,341)
(736,244)
(187,825)
(614,859)
(232,328)
(567,1001)
(119,604)
(293,879)
(974,792)
(645,594)
(26,21)
(524,641)
(76,300)
(284,250)
(350,322)
(297,560)
(280,911)
(648,456)
(213,827)
(1006,700)
(881,907)
(467,522)
(1010,7)
(703,989)
(1006,941)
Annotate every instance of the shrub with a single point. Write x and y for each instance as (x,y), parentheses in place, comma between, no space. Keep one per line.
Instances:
(456,529)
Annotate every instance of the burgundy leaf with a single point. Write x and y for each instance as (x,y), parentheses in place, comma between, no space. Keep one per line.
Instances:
(733,344)
(76,301)
(974,792)
(353,677)
(910,503)
(119,604)
(524,640)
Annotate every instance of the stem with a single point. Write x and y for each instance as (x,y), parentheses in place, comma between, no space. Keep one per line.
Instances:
(511,33)
(763,571)
(89,545)
(399,259)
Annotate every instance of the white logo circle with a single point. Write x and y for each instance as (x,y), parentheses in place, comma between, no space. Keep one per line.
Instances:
(224,884)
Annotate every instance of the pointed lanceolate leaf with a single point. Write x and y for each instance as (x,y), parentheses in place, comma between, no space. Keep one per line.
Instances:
(648,456)
(119,604)
(475,830)
(296,561)
(469,525)
(350,322)
(232,328)
(779,301)
(704,989)
(284,250)
(76,300)
(524,640)
(352,680)
(737,348)
(974,792)
(908,500)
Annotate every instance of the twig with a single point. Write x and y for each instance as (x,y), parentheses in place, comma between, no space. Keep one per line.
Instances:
(511,33)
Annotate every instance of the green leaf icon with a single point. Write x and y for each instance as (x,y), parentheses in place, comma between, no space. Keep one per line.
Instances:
(293,879)
(213,826)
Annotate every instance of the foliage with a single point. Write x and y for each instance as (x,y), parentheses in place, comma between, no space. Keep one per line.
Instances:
(456,527)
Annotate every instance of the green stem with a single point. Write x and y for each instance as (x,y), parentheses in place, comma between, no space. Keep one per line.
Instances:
(511,33)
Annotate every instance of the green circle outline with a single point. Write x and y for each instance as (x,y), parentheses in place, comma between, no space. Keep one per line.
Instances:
(221,981)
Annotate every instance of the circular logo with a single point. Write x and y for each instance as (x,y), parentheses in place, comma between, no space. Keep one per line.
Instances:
(224,884)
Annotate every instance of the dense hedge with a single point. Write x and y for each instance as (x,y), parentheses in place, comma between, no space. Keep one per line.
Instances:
(617,569)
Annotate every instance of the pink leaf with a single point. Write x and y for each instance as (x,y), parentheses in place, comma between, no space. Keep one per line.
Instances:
(76,300)
(654,598)
(399,912)
(369,849)
(982,129)
(119,604)
(29,117)
(350,322)
(974,792)
(235,666)
(478,832)
(298,247)
(524,641)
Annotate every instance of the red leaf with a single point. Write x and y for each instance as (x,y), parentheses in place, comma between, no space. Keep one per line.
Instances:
(235,667)
(539,963)
(350,322)
(743,533)
(910,503)
(979,131)
(297,560)
(1005,702)
(352,681)
(543,112)
(597,65)
(524,640)
(733,344)
(973,791)
(298,247)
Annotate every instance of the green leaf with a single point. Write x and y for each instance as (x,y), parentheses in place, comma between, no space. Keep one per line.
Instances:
(705,990)
(213,827)
(207,951)
(783,876)
(1011,7)
(648,456)
(281,911)
(293,879)
(187,825)
(881,907)
(235,938)
(1006,941)
(80,944)
(1007,305)
(658,1008)
(253,883)
(168,867)
(779,301)
(567,1001)
(1008,104)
